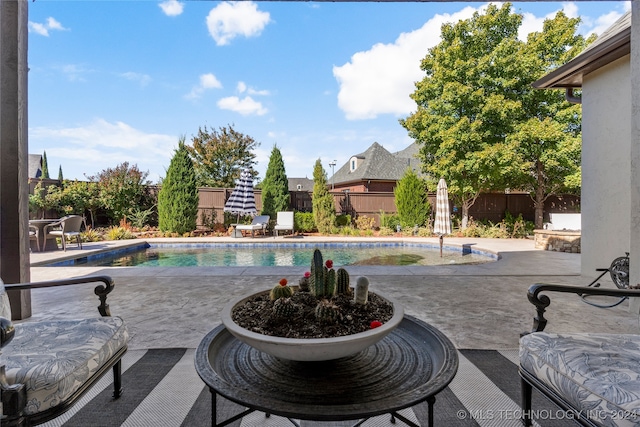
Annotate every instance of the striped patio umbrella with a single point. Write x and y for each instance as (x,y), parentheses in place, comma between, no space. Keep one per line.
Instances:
(442,223)
(242,201)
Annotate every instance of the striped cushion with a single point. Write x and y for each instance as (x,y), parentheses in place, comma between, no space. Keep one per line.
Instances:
(54,358)
(599,374)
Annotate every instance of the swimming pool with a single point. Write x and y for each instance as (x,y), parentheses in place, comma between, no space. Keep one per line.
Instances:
(268,255)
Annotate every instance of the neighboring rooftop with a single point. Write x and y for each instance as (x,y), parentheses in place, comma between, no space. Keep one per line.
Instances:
(376,163)
(300,184)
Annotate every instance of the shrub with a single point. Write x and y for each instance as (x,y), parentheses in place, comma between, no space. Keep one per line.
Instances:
(303,222)
(119,233)
(411,200)
(343,220)
(389,221)
(365,222)
(178,197)
(386,231)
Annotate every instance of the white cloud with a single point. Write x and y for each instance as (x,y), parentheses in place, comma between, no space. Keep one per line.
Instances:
(43,29)
(74,73)
(246,106)
(207,81)
(143,79)
(172,7)
(380,80)
(231,19)
(91,148)
(242,87)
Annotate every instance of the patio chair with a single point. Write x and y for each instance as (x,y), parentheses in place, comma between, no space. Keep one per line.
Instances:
(284,221)
(66,228)
(47,366)
(34,234)
(259,223)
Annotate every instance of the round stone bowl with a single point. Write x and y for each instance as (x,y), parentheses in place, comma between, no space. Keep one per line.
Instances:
(310,349)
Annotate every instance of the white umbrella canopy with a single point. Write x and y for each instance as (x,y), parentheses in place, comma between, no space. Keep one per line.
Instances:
(442,223)
(242,200)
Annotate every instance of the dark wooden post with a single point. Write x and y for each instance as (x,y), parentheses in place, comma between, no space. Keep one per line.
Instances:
(14,192)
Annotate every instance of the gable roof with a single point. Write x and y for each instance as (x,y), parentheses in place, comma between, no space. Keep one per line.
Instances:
(305,184)
(379,164)
(35,166)
(612,44)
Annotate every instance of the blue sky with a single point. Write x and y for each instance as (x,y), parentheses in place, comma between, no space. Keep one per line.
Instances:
(116,81)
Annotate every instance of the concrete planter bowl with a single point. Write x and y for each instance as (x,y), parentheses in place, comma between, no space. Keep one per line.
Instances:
(310,349)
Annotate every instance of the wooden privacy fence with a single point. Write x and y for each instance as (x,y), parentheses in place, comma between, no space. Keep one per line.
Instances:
(488,206)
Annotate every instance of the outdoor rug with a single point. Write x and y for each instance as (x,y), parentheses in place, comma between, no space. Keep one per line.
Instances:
(162,388)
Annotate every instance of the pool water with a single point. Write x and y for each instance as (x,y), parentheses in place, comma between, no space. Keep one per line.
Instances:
(287,255)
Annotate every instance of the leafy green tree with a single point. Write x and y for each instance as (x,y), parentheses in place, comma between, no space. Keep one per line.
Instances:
(477,96)
(178,197)
(411,200)
(543,152)
(80,196)
(45,166)
(275,187)
(123,188)
(467,102)
(220,156)
(324,211)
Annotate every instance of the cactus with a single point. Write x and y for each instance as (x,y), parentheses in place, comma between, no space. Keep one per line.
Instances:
(304,282)
(342,282)
(322,281)
(362,290)
(281,290)
(284,307)
(327,312)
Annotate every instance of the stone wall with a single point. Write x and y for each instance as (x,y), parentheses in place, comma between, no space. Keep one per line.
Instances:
(559,241)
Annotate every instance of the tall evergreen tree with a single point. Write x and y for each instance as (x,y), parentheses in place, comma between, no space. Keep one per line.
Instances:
(275,187)
(324,211)
(60,177)
(411,200)
(45,166)
(178,196)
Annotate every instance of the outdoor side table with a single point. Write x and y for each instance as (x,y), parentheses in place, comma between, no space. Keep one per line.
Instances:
(410,366)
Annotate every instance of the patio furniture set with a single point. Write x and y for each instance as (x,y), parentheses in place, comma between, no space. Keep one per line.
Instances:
(43,233)
(260,223)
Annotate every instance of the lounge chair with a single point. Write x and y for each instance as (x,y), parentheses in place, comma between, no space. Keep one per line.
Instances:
(259,223)
(284,221)
(66,228)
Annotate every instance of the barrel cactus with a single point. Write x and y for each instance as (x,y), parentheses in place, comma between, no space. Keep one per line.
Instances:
(284,307)
(327,312)
(304,282)
(281,290)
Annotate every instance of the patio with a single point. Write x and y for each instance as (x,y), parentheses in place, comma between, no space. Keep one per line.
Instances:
(479,307)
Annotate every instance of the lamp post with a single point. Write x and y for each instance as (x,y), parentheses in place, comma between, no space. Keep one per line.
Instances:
(333,166)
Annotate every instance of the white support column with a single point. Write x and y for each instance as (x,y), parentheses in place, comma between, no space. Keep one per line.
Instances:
(634,231)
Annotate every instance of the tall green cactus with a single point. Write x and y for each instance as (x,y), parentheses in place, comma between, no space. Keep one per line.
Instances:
(342,282)
(322,280)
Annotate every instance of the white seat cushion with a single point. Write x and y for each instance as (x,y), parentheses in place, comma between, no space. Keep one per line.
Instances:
(597,373)
(54,358)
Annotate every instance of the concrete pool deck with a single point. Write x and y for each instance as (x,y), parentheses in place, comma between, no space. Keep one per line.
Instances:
(480,306)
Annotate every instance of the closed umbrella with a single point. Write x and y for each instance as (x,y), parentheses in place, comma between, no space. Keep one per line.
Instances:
(442,223)
(242,201)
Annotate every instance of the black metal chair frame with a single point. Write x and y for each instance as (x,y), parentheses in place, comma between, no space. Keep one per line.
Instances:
(13,397)
(619,272)
(537,296)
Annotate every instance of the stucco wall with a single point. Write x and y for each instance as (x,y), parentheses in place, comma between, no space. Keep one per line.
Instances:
(606,166)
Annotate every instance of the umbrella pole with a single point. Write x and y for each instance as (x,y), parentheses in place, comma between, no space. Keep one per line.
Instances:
(441,241)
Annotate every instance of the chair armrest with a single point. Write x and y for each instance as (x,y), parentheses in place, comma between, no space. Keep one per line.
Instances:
(101,290)
(7,331)
(541,302)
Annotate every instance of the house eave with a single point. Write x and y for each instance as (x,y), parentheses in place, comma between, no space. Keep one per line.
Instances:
(570,75)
